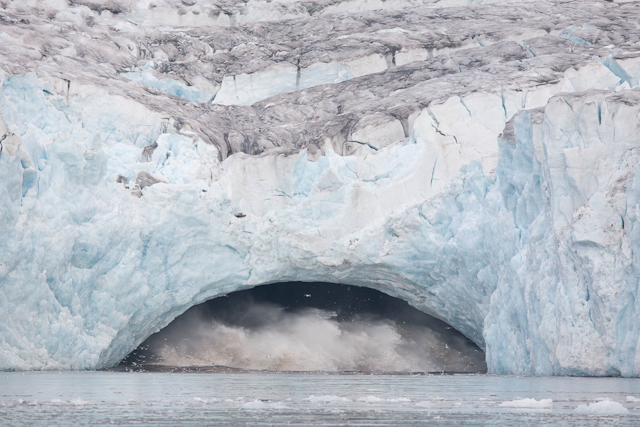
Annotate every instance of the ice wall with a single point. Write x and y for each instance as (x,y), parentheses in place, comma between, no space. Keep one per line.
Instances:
(533,262)
(575,278)
(493,187)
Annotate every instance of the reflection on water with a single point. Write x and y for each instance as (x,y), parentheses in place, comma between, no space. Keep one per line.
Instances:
(52,398)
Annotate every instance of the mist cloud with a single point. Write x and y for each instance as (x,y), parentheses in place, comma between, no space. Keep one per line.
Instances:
(264,336)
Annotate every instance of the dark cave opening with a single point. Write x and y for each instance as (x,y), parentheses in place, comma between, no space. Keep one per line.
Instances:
(303,327)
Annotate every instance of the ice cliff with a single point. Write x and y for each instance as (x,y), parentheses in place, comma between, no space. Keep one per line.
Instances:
(479,161)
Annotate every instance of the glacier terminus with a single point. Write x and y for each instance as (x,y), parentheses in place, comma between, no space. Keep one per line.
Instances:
(479,159)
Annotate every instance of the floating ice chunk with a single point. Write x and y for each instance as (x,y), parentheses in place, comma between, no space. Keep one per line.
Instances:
(604,407)
(398,400)
(367,399)
(327,399)
(370,399)
(259,404)
(425,404)
(73,402)
(633,399)
(528,403)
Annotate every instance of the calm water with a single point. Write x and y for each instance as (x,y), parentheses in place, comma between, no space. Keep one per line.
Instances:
(256,399)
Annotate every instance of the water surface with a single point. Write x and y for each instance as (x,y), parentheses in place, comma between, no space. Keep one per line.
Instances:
(52,398)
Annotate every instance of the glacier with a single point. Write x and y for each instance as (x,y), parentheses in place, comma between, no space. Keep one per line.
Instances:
(483,167)
(169,85)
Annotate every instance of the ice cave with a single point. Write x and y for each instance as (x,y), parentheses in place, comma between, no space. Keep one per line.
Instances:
(476,160)
(306,327)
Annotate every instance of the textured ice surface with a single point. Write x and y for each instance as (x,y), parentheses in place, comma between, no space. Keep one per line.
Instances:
(245,89)
(604,407)
(171,86)
(528,403)
(487,174)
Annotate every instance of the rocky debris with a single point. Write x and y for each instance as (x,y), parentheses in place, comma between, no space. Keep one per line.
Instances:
(147,152)
(145,179)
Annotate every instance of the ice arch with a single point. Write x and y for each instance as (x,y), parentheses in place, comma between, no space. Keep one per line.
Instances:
(298,326)
(136,332)
(137,236)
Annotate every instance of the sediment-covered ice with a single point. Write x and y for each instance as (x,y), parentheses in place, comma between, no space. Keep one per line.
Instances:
(487,176)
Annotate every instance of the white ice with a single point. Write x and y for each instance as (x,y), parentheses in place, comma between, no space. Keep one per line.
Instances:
(509,214)
(527,403)
(604,407)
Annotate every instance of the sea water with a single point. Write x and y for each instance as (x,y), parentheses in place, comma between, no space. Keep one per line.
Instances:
(143,398)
